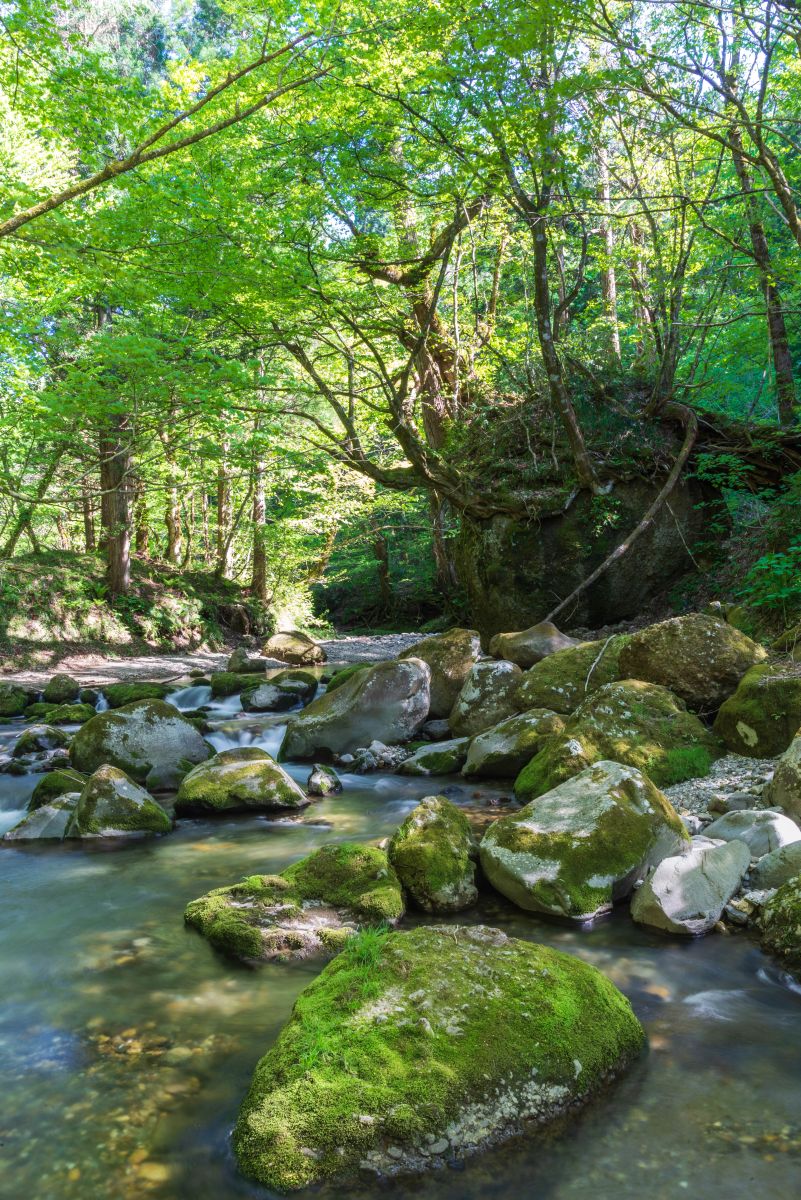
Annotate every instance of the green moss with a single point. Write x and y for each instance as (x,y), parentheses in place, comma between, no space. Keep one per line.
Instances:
(38,738)
(441,758)
(244,778)
(39,710)
(433,853)
(13,700)
(764,714)
(61,689)
(345,674)
(780,924)
(229,683)
(639,724)
(111,802)
(67,714)
(563,680)
(120,694)
(340,1084)
(54,784)
(263,915)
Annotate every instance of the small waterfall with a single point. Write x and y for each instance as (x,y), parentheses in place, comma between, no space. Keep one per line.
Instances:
(189,698)
(102,703)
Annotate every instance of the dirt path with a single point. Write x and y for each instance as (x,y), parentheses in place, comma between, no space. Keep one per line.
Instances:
(97,669)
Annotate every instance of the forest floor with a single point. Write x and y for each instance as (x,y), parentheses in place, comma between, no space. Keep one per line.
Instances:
(95,669)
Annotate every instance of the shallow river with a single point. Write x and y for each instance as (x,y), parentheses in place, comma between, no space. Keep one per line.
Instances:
(126,1043)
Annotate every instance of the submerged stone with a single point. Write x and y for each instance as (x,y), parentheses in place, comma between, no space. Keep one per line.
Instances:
(149,740)
(312,908)
(245,778)
(451,657)
(699,657)
(564,679)
(578,849)
(640,724)
(387,702)
(434,854)
(112,805)
(414,1049)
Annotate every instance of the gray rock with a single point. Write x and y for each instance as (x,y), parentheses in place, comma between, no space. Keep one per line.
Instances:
(323,781)
(434,855)
(283,691)
(149,740)
(532,645)
(451,657)
(436,731)
(577,849)
(112,805)
(762,830)
(241,663)
(443,758)
(784,789)
(387,702)
(778,867)
(296,648)
(61,689)
(486,698)
(37,739)
(687,893)
(246,778)
(377,757)
(502,751)
(47,823)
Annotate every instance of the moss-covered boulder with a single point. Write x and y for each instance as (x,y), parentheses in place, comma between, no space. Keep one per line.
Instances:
(503,751)
(699,657)
(229,683)
(486,698)
(13,700)
(640,724)
(149,740)
(451,657)
(312,908)
(61,689)
(47,823)
(563,680)
(243,779)
(434,855)
(112,805)
(37,739)
(578,849)
(387,703)
(764,714)
(241,663)
(441,758)
(119,695)
(54,784)
(784,789)
(414,1049)
(780,925)
(342,676)
(283,691)
(296,648)
(323,781)
(686,893)
(531,645)
(66,714)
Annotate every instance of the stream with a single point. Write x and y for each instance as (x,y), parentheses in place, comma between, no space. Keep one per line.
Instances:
(126,1043)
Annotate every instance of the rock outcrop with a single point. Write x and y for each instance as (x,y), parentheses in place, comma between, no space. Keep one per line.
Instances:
(296,648)
(112,805)
(565,679)
(764,714)
(502,751)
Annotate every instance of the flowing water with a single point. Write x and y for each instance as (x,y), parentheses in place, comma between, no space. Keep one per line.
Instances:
(126,1043)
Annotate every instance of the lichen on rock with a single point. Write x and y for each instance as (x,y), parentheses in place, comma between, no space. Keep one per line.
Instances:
(434,855)
(112,805)
(764,714)
(566,678)
(241,779)
(450,656)
(502,751)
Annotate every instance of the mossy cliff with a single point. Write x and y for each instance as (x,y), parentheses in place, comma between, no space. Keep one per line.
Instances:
(411,1049)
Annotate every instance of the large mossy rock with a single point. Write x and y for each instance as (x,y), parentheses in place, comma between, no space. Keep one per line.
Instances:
(119,695)
(149,740)
(764,714)
(283,691)
(414,1049)
(239,780)
(387,703)
(296,648)
(343,675)
(514,571)
(241,663)
(451,657)
(581,847)
(37,739)
(784,789)
(531,645)
(61,689)
(312,908)
(565,679)
(434,855)
(486,698)
(47,823)
(502,751)
(66,714)
(640,724)
(686,893)
(780,924)
(441,758)
(112,805)
(229,683)
(14,700)
(54,784)
(699,657)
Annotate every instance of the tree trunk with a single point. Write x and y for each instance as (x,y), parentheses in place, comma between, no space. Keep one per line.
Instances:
(141,520)
(444,567)
(23,521)
(88,521)
(225,560)
(204,512)
(115,470)
(777,327)
(258,583)
(381,555)
(608,277)
(172,520)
